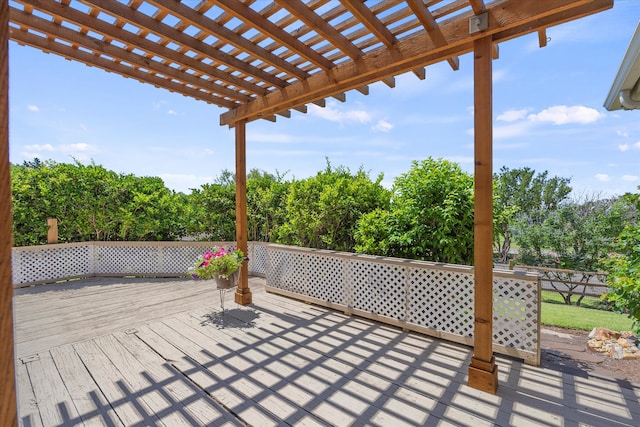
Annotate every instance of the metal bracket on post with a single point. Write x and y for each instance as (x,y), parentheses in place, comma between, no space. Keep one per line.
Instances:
(478,23)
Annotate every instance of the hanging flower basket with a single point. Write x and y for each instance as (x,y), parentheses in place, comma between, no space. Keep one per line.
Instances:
(222,262)
(227,282)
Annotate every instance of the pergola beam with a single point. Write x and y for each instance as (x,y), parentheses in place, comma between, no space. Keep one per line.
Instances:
(371,21)
(507,19)
(321,26)
(147,23)
(198,20)
(155,67)
(429,23)
(58,11)
(276,32)
(111,66)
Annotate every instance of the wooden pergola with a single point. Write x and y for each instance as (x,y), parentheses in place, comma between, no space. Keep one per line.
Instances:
(262,59)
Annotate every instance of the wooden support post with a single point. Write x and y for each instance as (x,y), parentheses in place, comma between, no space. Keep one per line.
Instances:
(483,372)
(8,403)
(243,293)
(52,233)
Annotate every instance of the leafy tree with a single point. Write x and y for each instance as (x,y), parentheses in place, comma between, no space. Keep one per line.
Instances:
(266,199)
(149,210)
(430,216)
(624,268)
(581,233)
(322,211)
(212,211)
(30,210)
(90,203)
(522,201)
(578,236)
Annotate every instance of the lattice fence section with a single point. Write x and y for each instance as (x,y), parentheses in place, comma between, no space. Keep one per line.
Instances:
(45,264)
(327,278)
(379,288)
(438,298)
(287,271)
(257,259)
(442,300)
(42,264)
(146,259)
(515,314)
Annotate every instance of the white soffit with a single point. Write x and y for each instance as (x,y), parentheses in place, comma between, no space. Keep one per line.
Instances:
(628,77)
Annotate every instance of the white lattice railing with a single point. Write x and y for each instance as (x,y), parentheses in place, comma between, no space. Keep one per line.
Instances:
(49,263)
(435,299)
(432,298)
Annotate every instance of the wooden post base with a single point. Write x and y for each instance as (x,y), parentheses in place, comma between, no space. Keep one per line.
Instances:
(243,296)
(483,376)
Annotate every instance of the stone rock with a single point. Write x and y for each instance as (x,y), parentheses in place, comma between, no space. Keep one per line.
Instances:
(631,355)
(617,345)
(594,344)
(604,334)
(616,352)
(623,342)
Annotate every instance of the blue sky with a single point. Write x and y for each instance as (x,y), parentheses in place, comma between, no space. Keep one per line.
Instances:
(548,115)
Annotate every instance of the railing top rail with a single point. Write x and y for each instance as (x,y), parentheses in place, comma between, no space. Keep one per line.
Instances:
(172,243)
(559,270)
(405,262)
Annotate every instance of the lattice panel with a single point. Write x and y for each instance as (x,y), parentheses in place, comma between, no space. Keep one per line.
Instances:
(126,260)
(287,271)
(147,260)
(515,314)
(325,276)
(47,265)
(441,300)
(379,288)
(258,259)
(179,259)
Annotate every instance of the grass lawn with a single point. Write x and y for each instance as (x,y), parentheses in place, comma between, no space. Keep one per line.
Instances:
(588,316)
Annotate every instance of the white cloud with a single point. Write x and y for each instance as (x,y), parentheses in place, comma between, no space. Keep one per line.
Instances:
(159,104)
(622,133)
(270,137)
(602,177)
(335,115)
(627,147)
(630,178)
(40,147)
(382,126)
(498,75)
(78,150)
(77,147)
(512,115)
(511,130)
(185,182)
(33,108)
(563,114)
(172,113)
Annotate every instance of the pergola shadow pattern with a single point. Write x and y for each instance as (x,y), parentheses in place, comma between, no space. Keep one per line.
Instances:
(283,362)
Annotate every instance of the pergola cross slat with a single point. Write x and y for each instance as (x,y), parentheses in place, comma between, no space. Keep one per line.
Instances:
(259,60)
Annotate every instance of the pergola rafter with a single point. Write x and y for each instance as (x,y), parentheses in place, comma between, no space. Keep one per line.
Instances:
(260,60)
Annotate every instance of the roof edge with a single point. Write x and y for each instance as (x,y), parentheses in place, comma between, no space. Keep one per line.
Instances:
(628,74)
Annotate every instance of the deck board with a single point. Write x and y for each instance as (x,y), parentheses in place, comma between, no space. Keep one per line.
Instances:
(27,405)
(159,352)
(91,404)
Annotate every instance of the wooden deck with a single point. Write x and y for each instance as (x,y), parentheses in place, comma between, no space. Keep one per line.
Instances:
(145,352)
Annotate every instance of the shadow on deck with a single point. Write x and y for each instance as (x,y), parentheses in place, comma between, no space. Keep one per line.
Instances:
(159,352)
